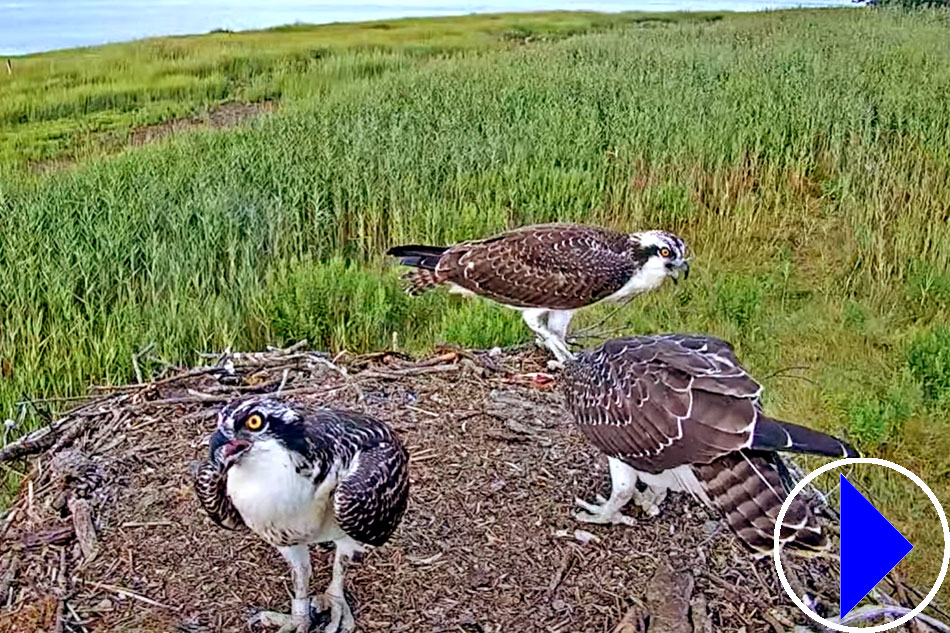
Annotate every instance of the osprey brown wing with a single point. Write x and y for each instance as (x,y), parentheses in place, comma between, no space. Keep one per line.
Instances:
(663,401)
(556,266)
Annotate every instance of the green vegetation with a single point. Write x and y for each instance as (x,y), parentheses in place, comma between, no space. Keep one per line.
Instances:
(79,103)
(804,155)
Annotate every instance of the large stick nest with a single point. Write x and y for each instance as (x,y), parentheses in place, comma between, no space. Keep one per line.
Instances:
(106,534)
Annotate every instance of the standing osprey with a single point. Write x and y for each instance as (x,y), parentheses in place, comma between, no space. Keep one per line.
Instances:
(297,475)
(548,271)
(679,413)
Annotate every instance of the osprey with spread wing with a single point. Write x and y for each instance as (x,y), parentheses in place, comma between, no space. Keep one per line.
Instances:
(678,412)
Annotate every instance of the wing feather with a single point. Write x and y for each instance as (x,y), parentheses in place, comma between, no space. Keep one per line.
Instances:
(659,402)
(211,490)
(372,495)
(662,402)
(557,266)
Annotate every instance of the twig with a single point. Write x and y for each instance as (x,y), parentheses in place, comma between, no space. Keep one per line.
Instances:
(782,370)
(135,360)
(562,569)
(431,414)
(920,596)
(343,373)
(164,381)
(408,371)
(299,345)
(54,399)
(125,592)
(36,540)
(77,429)
(43,438)
(35,442)
(147,523)
(447,357)
(9,575)
(60,594)
(871,611)
(227,398)
(583,332)
(8,522)
(601,334)
(283,380)
(81,512)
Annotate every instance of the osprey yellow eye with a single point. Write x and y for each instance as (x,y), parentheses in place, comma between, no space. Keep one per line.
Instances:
(254,422)
(664,252)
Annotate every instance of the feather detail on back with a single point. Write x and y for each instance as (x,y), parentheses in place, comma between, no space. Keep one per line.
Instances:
(559,266)
(663,402)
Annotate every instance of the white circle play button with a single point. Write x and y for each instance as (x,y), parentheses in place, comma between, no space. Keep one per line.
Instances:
(874,528)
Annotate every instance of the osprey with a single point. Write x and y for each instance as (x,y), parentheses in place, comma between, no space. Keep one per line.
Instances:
(548,271)
(678,412)
(295,475)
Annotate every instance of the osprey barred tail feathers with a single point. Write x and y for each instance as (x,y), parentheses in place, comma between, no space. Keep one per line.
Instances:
(679,412)
(748,490)
(423,259)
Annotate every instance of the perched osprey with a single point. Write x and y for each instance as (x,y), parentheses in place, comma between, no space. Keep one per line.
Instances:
(295,475)
(678,412)
(548,271)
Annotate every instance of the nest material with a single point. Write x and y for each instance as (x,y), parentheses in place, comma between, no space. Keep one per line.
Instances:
(107,535)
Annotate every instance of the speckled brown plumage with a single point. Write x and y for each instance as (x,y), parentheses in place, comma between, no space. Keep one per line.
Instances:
(661,402)
(548,271)
(556,266)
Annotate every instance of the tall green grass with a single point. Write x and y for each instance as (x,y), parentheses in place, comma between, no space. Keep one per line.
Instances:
(85,102)
(804,155)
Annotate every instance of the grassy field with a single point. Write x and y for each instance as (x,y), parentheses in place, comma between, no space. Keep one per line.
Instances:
(804,155)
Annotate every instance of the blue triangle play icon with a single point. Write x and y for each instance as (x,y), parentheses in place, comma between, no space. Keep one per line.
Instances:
(870,546)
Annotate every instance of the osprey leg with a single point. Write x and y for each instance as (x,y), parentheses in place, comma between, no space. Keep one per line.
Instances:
(341,617)
(298,621)
(559,321)
(535,319)
(623,486)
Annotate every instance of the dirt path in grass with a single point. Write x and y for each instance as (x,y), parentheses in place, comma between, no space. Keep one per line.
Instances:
(221,116)
(487,545)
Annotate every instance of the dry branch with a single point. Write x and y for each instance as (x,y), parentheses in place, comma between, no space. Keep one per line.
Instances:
(32,443)
(875,611)
(41,538)
(633,621)
(125,592)
(85,528)
(408,371)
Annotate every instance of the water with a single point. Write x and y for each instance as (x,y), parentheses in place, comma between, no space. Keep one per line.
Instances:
(28,26)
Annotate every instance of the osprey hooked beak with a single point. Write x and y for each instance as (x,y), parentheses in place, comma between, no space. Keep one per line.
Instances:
(676,267)
(227,450)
